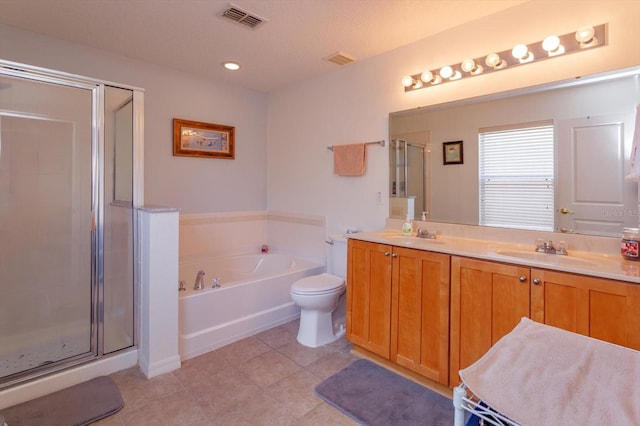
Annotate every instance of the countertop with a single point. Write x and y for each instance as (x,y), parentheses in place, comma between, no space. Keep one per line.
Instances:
(577,262)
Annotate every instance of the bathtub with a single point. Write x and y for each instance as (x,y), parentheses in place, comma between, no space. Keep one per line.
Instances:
(253,297)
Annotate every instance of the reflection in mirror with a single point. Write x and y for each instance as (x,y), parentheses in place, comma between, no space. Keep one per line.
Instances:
(592,125)
(407,178)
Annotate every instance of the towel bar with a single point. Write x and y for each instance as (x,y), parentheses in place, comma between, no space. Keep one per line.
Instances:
(381,143)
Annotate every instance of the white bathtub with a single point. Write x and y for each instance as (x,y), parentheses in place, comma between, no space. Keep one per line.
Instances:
(254,297)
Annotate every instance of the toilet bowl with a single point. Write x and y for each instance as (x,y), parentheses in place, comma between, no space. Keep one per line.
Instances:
(318,297)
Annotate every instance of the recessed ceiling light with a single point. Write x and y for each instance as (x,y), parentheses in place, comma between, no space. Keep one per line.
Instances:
(231,66)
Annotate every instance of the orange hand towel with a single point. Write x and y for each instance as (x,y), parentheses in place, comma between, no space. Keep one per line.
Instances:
(349,160)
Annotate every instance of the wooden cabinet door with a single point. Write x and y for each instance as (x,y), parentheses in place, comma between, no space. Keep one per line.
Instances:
(604,309)
(369,296)
(420,312)
(488,300)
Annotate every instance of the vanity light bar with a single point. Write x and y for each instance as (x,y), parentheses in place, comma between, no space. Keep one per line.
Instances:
(553,46)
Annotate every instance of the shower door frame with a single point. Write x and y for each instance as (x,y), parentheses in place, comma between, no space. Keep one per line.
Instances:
(97,88)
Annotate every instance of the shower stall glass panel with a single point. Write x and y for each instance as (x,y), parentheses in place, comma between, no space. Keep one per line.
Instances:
(407,173)
(66,222)
(45,224)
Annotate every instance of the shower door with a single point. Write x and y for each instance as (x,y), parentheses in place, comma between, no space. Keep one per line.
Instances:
(407,173)
(48,191)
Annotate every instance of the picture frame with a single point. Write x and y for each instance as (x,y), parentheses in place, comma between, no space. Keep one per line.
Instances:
(205,140)
(452,153)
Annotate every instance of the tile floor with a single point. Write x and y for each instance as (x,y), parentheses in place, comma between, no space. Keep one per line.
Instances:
(267,379)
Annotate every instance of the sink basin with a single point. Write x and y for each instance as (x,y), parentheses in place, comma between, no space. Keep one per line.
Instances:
(555,259)
(403,239)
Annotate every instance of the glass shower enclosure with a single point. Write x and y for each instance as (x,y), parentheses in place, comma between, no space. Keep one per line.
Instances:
(407,177)
(66,221)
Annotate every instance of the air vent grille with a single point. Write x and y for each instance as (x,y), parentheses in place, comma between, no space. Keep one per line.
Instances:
(340,58)
(243,17)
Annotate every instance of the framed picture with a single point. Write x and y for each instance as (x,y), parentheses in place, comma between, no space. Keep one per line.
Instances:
(196,139)
(452,153)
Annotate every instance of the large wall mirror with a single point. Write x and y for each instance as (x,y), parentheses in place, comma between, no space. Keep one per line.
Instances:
(590,121)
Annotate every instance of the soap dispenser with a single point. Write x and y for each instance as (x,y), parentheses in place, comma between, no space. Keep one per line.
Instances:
(407,226)
(424,217)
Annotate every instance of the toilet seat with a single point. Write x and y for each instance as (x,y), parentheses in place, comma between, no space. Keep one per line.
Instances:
(318,284)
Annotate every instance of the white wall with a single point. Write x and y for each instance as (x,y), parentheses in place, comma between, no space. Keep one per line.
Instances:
(352,104)
(195,185)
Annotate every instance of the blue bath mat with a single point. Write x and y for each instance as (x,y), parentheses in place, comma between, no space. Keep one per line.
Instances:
(375,396)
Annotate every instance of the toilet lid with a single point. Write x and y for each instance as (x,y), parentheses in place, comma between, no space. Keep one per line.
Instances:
(318,284)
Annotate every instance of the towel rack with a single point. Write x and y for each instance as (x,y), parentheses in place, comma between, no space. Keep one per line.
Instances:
(381,143)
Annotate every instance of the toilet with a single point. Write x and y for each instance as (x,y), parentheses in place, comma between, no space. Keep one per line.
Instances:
(318,296)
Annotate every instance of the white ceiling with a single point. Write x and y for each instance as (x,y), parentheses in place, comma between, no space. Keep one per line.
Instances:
(188,35)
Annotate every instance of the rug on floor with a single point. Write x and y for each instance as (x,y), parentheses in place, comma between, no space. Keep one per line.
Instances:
(81,404)
(375,396)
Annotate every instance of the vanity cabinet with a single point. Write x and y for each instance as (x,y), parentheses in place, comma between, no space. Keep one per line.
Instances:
(369,296)
(489,298)
(604,309)
(420,312)
(398,305)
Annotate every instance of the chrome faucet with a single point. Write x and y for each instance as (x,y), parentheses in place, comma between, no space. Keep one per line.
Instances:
(549,248)
(199,284)
(423,233)
(216,283)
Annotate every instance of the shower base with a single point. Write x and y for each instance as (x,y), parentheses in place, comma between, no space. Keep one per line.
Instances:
(13,362)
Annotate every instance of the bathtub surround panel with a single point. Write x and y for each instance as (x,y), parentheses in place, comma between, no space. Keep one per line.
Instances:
(299,233)
(158,236)
(244,232)
(222,234)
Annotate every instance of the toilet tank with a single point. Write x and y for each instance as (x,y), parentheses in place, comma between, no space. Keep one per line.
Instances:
(337,264)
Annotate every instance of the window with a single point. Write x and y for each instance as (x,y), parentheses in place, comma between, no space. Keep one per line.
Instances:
(516,176)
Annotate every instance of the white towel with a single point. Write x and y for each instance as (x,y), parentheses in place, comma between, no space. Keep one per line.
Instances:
(541,375)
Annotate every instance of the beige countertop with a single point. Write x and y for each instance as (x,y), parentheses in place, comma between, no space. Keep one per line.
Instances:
(578,262)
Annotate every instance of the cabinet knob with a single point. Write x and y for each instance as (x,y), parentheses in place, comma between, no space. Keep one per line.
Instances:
(523,278)
(386,253)
(536,281)
(394,255)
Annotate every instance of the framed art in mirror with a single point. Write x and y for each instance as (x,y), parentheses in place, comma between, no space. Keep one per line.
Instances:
(197,139)
(452,153)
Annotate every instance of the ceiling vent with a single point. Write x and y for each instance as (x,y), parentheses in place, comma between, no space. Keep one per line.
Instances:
(242,17)
(340,58)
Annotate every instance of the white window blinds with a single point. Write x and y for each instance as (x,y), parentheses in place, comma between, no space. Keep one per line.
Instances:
(516,177)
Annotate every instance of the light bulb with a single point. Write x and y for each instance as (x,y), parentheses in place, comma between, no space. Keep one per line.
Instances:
(231,66)
(521,53)
(407,81)
(494,61)
(469,65)
(446,71)
(552,45)
(426,76)
(586,37)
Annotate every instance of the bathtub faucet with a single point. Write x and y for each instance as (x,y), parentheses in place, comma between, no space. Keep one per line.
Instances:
(216,283)
(199,284)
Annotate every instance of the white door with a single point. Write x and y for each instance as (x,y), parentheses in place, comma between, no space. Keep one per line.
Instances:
(599,203)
